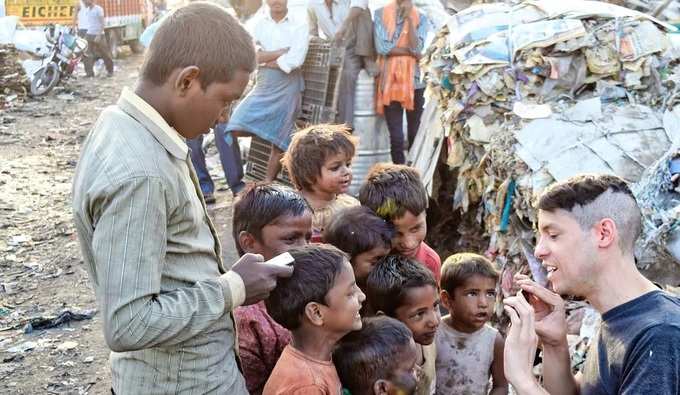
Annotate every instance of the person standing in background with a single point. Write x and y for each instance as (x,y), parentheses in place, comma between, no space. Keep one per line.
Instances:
(97,46)
(270,109)
(349,24)
(400,31)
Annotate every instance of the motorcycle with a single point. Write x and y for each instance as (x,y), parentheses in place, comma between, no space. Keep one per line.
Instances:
(67,50)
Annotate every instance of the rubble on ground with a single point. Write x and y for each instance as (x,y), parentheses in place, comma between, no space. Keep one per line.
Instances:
(14,84)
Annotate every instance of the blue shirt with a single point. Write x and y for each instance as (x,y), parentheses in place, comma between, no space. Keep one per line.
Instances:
(637,350)
(383,43)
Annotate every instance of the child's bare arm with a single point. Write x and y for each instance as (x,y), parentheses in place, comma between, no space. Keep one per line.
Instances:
(500,383)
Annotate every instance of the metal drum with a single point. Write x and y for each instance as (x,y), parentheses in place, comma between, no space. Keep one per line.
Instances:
(371,129)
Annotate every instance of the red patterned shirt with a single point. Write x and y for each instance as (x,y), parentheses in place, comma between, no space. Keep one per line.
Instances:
(261,341)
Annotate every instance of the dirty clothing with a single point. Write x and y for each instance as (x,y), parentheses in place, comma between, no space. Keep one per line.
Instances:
(154,258)
(637,350)
(426,373)
(464,360)
(323,216)
(296,373)
(261,341)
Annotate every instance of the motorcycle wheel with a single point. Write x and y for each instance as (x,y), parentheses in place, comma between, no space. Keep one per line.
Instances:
(44,79)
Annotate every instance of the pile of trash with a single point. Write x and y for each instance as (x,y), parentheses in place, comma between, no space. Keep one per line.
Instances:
(523,95)
(14,84)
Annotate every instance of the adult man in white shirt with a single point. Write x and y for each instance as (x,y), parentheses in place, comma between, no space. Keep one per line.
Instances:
(93,22)
(348,22)
(270,109)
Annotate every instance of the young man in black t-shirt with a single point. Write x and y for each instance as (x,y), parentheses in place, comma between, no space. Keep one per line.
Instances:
(588,226)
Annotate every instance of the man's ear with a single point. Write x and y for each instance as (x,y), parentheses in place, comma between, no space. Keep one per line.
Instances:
(381,387)
(247,241)
(314,313)
(186,79)
(606,233)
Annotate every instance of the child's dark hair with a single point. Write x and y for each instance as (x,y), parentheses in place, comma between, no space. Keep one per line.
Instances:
(458,268)
(310,148)
(390,280)
(315,270)
(362,357)
(357,229)
(391,190)
(199,34)
(260,204)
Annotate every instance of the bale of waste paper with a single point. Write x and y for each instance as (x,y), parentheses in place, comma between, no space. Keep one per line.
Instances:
(537,92)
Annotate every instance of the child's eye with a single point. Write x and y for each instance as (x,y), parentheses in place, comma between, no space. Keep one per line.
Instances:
(472,293)
(552,237)
(491,294)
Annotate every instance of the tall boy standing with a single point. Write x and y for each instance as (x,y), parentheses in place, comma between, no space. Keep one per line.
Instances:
(396,193)
(587,228)
(152,252)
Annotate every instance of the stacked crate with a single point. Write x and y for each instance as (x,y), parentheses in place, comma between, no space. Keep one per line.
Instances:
(321,71)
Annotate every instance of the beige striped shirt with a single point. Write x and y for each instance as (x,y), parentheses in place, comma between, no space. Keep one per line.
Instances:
(154,258)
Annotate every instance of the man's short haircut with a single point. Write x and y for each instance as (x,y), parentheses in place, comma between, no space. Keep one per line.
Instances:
(260,204)
(391,190)
(199,34)
(373,353)
(311,147)
(458,268)
(315,270)
(357,229)
(390,280)
(589,198)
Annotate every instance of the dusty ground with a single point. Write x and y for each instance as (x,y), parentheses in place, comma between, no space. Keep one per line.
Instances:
(41,270)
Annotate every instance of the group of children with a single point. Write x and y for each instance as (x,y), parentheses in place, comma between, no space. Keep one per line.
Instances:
(361,312)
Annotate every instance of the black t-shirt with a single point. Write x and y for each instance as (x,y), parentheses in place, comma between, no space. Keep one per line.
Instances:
(637,350)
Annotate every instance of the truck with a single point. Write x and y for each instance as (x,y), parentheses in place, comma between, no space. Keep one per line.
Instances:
(124,20)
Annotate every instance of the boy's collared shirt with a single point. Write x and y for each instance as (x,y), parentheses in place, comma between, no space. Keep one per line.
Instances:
(296,373)
(290,32)
(154,258)
(430,259)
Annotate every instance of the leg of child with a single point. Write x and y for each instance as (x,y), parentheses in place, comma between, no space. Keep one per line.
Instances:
(274,164)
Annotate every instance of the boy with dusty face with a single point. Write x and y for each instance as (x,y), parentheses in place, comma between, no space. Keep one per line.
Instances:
(319,304)
(379,359)
(363,235)
(468,350)
(396,194)
(403,289)
(268,219)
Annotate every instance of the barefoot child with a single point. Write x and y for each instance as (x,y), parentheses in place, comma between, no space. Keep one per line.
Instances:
(361,234)
(319,304)
(396,193)
(469,350)
(403,289)
(268,220)
(379,359)
(318,161)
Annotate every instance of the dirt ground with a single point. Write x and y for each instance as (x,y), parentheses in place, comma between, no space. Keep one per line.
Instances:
(41,270)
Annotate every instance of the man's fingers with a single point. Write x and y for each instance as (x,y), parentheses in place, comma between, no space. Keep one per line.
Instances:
(542,293)
(514,318)
(280,271)
(528,326)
